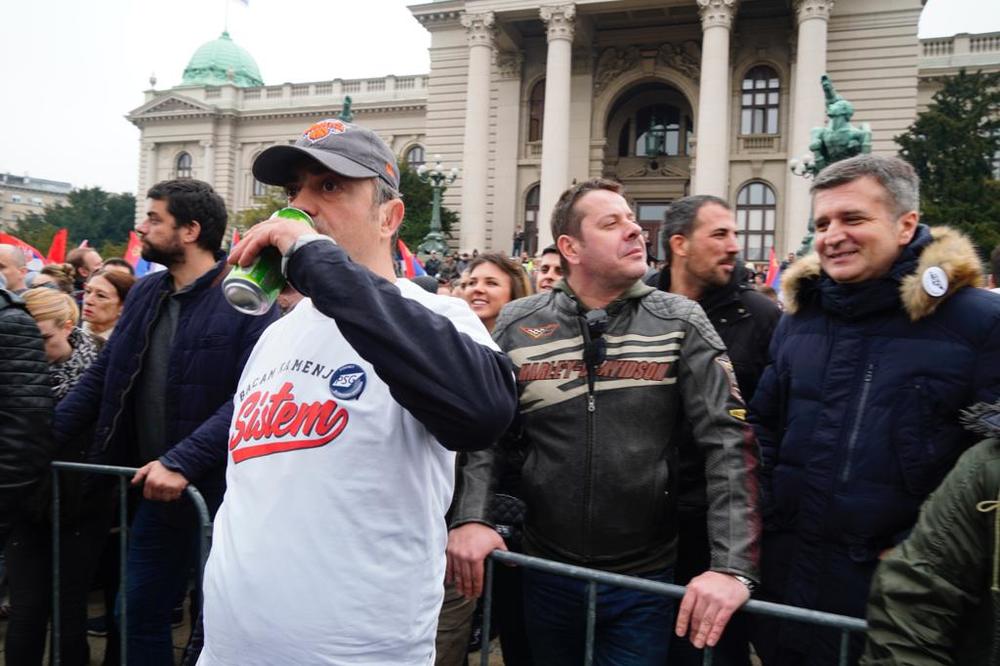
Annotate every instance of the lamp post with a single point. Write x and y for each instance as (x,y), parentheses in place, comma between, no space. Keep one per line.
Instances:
(438,179)
(656,136)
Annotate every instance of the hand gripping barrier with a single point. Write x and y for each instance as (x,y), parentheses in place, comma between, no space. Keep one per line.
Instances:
(124,475)
(845,624)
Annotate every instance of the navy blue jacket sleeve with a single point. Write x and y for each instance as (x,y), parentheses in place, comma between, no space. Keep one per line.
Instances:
(766,410)
(463,392)
(207,447)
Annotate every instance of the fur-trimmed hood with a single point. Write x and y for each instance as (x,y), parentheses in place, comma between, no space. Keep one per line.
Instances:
(948,249)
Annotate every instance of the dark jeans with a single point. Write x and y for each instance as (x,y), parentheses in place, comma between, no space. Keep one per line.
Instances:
(29,566)
(163,545)
(693,559)
(633,628)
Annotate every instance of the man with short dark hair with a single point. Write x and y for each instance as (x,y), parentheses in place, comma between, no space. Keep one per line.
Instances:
(549,269)
(607,367)
(85,262)
(702,263)
(329,547)
(118,264)
(160,397)
(433,264)
(885,341)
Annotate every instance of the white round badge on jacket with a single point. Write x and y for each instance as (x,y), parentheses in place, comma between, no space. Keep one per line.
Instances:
(935,281)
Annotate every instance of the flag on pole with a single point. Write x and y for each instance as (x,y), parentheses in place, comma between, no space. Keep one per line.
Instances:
(411,265)
(30,252)
(133,255)
(236,238)
(57,250)
(773,270)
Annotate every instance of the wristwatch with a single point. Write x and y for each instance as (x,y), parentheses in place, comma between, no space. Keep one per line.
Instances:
(751,586)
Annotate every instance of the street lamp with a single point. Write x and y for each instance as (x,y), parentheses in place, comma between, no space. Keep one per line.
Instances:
(438,179)
(656,137)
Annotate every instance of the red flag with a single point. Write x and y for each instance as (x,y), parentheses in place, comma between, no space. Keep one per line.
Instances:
(236,238)
(29,251)
(773,269)
(57,250)
(134,250)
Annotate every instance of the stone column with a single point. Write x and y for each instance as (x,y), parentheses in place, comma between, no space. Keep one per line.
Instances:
(507,203)
(480,32)
(713,125)
(808,110)
(208,155)
(556,121)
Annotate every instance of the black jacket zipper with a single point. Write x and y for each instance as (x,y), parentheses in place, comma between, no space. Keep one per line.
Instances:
(856,429)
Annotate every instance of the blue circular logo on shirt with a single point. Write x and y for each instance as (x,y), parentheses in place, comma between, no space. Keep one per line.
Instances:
(348,382)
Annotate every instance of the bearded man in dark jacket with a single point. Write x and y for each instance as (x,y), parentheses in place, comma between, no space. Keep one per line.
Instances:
(886,340)
(701,250)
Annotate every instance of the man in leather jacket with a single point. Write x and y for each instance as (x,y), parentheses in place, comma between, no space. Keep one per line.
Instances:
(701,249)
(608,369)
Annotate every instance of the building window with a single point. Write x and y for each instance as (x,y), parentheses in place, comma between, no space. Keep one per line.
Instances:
(755,216)
(259,188)
(761,92)
(183,166)
(677,130)
(536,111)
(531,205)
(15,198)
(415,156)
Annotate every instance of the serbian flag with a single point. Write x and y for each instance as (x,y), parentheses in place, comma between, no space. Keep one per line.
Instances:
(57,250)
(411,265)
(133,255)
(773,271)
(30,252)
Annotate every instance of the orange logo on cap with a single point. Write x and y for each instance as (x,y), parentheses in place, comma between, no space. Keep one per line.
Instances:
(323,129)
(389,170)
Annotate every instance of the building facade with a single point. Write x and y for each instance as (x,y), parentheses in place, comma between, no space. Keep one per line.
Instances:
(669,97)
(21,195)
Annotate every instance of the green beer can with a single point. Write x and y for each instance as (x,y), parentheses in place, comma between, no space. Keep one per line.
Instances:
(254,289)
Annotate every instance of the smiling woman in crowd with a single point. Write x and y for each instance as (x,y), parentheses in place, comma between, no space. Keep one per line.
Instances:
(494,281)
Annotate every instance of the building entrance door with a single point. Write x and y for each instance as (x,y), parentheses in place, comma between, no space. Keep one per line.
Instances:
(649,215)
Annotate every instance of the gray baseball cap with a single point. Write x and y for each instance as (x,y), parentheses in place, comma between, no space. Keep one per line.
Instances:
(344,148)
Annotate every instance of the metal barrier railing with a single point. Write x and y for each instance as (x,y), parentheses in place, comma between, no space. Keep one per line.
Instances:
(845,624)
(124,475)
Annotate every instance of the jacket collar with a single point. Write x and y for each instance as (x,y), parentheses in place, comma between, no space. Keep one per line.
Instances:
(204,281)
(638,290)
(716,296)
(804,282)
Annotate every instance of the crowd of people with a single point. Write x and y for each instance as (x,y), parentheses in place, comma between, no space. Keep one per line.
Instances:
(365,445)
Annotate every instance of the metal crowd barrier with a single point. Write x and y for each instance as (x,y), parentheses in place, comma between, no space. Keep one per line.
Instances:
(124,475)
(845,624)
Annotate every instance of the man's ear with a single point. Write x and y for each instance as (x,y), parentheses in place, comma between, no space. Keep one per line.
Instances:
(190,232)
(569,248)
(678,245)
(907,227)
(391,215)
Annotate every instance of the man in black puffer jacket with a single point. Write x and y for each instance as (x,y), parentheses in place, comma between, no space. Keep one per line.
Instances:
(701,248)
(26,445)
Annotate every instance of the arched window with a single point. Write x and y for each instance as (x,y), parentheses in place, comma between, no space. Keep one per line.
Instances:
(531,205)
(755,216)
(677,130)
(761,91)
(536,111)
(415,156)
(183,165)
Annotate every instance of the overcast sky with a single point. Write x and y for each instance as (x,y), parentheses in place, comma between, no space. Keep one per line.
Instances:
(71,69)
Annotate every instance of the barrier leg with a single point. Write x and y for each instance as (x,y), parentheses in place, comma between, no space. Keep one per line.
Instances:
(588,648)
(122,573)
(56,621)
(484,642)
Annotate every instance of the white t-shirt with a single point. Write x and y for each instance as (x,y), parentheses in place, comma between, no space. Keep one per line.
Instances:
(329,547)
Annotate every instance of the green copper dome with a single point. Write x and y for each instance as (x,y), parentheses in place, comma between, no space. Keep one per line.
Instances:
(220,62)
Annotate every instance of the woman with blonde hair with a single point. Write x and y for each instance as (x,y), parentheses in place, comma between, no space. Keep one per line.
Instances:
(69,351)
